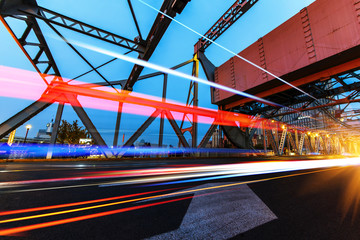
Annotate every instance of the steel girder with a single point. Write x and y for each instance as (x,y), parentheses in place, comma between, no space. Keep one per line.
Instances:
(163,113)
(161,23)
(143,127)
(148,122)
(208,135)
(23,116)
(42,67)
(45,101)
(328,89)
(44,72)
(339,91)
(122,82)
(192,99)
(209,69)
(30,8)
(176,128)
(238,9)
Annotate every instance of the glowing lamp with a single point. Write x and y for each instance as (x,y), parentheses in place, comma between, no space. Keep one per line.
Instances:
(28,127)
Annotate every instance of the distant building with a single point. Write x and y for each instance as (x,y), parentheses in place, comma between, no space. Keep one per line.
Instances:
(215,142)
(143,143)
(44,135)
(86,141)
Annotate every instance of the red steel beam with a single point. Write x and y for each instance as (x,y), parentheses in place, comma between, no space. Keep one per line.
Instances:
(337,102)
(322,75)
(319,38)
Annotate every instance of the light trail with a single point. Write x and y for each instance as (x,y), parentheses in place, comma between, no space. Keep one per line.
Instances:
(52,188)
(205,173)
(86,208)
(36,209)
(170,71)
(228,50)
(108,100)
(92,207)
(182,75)
(198,173)
(15,230)
(31,61)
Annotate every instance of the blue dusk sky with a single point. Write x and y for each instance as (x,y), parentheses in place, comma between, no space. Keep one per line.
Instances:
(175,47)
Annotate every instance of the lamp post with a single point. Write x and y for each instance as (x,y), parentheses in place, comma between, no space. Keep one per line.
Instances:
(27,131)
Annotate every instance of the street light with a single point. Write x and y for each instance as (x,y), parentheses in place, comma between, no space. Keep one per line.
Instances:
(27,131)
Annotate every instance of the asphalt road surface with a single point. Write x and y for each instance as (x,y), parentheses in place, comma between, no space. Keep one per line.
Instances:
(121,200)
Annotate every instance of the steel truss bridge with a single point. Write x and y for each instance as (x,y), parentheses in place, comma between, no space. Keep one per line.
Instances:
(320,123)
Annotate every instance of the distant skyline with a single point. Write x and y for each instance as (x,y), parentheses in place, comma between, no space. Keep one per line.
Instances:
(175,47)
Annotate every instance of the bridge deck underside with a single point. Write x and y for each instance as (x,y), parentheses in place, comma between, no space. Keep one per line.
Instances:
(319,42)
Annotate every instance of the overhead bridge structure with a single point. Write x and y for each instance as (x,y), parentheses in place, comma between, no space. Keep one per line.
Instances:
(308,67)
(319,42)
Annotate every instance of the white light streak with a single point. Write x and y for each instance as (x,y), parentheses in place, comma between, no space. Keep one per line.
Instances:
(182,173)
(170,71)
(239,170)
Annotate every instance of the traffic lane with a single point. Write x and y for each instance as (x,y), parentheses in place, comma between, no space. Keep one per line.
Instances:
(33,199)
(92,191)
(317,206)
(121,174)
(168,212)
(130,224)
(61,196)
(49,170)
(44,170)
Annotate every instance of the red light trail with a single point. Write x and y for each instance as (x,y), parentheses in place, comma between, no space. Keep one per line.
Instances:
(29,86)
(77,203)
(81,218)
(104,98)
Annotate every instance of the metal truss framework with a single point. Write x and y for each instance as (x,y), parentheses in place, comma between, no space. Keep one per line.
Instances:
(192,100)
(30,12)
(237,10)
(324,124)
(300,110)
(44,63)
(290,140)
(330,92)
(340,90)
(162,114)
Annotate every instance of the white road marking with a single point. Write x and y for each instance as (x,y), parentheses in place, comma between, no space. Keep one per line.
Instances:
(221,216)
